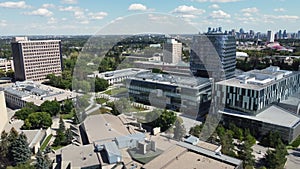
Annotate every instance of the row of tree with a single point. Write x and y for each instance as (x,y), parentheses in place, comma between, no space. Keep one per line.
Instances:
(15,151)
(36,117)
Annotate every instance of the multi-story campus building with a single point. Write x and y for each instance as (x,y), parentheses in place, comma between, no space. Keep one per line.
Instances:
(6,65)
(118,76)
(187,94)
(20,93)
(34,60)
(252,101)
(255,90)
(213,55)
(172,51)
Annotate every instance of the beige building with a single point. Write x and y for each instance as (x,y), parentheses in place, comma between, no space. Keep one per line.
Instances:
(3,111)
(34,60)
(20,93)
(172,51)
(6,65)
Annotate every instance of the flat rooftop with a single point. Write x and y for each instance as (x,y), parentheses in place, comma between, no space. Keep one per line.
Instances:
(104,127)
(272,115)
(37,93)
(258,79)
(119,73)
(180,156)
(80,156)
(182,81)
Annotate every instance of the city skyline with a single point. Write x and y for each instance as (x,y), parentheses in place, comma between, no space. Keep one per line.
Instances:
(77,17)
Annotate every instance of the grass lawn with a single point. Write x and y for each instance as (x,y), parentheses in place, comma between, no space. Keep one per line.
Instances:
(56,147)
(45,143)
(101,100)
(67,116)
(102,110)
(116,91)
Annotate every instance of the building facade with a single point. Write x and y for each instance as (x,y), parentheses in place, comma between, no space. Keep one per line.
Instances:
(3,112)
(255,90)
(252,100)
(172,51)
(270,36)
(185,94)
(20,93)
(6,65)
(34,60)
(213,55)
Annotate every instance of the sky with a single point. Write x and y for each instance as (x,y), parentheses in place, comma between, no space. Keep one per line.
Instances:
(87,17)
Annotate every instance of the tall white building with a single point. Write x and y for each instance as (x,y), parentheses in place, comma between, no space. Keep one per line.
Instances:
(270,36)
(35,59)
(172,51)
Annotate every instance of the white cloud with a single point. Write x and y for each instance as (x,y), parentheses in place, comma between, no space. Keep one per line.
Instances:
(214,6)
(3,23)
(69,1)
(52,20)
(77,12)
(97,16)
(40,12)
(224,1)
(279,9)
(250,10)
(137,7)
(217,1)
(11,4)
(283,17)
(183,9)
(48,6)
(84,22)
(247,14)
(219,14)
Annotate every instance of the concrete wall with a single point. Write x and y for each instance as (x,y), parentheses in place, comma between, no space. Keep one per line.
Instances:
(3,111)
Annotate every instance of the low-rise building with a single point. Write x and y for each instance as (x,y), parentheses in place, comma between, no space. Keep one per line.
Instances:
(180,93)
(118,76)
(20,93)
(184,155)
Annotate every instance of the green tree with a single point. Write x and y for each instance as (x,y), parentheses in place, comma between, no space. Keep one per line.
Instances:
(179,130)
(67,106)
(2,73)
(196,130)
(164,121)
(42,162)
(38,120)
(4,149)
(227,143)
(10,73)
(249,138)
(100,84)
(237,132)
(272,139)
(26,110)
(20,150)
(63,136)
(276,159)
(113,107)
(52,107)
(245,154)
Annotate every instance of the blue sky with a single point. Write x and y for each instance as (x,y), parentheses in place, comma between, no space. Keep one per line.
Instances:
(72,17)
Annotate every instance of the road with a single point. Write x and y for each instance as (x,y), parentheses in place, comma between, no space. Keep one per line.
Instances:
(293,159)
